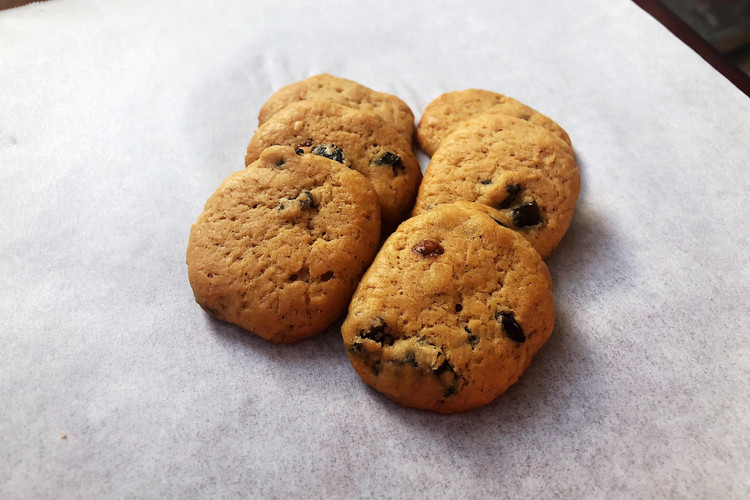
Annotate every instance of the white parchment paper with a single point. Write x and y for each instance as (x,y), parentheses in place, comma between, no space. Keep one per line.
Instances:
(118,119)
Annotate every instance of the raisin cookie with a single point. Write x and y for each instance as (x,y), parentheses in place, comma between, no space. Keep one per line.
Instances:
(280,247)
(447,111)
(509,164)
(329,88)
(357,139)
(451,311)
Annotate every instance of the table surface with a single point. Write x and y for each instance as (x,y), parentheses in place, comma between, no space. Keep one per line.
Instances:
(118,119)
(701,41)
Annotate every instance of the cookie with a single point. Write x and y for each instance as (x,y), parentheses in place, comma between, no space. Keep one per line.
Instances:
(509,164)
(328,88)
(280,247)
(450,312)
(355,138)
(446,112)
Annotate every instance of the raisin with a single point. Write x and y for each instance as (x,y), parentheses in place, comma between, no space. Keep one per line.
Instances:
(410,359)
(307,201)
(357,347)
(280,163)
(458,308)
(378,332)
(299,151)
(448,377)
(472,339)
(512,329)
(512,190)
(330,151)
(390,159)
(443,368)
(527,215)
(428,248)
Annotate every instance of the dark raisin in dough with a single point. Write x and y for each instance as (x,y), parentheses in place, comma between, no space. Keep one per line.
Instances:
(448,377)
(306,200)
(392,160)
(471,338)
(511,327)
(428,248)
(527,215)
(330,151)
(378,332)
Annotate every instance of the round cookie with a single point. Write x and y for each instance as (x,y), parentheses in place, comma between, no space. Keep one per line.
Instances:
(450,312)
(447,111)
(280,247)
(355,138)
(509,164)
(328,88)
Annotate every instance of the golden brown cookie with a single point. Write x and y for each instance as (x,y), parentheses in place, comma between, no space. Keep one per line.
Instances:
(355,138)
(509,164)
(280,247)
(328,88)
(447,111)
(451,311)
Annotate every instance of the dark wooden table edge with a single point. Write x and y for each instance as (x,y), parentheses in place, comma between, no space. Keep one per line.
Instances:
(691,38)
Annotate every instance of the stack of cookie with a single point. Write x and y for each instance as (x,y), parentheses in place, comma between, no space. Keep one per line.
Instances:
(458,299)
(282,244)
(493,150)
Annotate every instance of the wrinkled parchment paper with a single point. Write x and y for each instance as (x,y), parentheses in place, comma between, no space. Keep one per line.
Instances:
(118,119)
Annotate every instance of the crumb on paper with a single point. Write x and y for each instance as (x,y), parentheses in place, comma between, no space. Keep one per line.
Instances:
(63,436)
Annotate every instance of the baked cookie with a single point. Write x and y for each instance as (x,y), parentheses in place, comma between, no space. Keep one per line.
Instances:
(328,88)
(280,247)
(355,138)
(446,112)
(451,311)
(512,165)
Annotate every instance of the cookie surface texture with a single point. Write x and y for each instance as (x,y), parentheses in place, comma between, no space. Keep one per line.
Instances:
(280,247)
(509,164)
(447,111)
(329,88)
(451,311)
(357,139)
